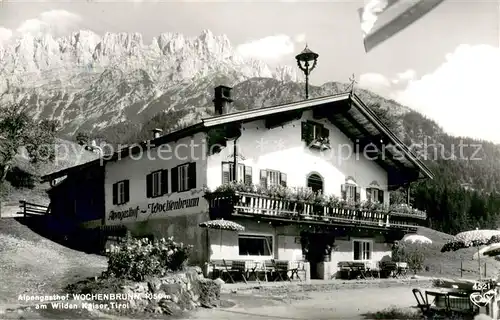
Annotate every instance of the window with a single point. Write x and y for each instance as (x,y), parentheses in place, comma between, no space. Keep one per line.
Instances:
(375,195)
(255,245)
(157,183)
(362,249)
(184,177)
(312,131)
(244,173)
(350,192)
(121,192)
(315,182)
(272,178)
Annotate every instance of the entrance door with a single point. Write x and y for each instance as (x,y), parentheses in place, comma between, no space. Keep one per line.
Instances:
(319,250)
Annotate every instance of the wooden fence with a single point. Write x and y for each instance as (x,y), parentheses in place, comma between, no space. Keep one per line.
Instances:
(32,209)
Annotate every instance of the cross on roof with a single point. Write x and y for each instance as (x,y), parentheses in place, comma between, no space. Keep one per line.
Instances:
(353,82)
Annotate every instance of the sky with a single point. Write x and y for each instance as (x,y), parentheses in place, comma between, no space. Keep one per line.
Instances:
(446,65)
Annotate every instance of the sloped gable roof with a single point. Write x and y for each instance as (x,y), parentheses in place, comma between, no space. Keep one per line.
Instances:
(345,110)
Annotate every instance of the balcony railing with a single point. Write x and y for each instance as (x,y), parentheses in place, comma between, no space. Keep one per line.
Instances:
(226,202)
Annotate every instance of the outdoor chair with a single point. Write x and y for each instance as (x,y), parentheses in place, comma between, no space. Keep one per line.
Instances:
(422,303)
(238,267)
(268,268)
(402,270)
(280,268)
(293,268)
(253,268)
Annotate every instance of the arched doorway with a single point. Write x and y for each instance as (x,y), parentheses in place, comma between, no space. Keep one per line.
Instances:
(315,182)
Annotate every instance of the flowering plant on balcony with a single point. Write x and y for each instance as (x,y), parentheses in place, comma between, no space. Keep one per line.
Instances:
(372,206)
(280,192)
(332,201)
(322,143)
(405,209)
(302,196)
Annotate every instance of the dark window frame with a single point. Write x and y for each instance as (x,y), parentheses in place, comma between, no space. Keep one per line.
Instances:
(190,179)
(247,174)
(162,185)
(264,181)
(116,192)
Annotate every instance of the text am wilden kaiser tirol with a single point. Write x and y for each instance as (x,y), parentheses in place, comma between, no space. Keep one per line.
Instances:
(90,301)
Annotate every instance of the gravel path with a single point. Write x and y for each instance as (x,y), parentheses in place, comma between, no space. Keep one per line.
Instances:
(338,304)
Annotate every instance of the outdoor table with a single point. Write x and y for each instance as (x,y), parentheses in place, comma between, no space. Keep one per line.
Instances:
(254,267)
(401,270)
(353,267)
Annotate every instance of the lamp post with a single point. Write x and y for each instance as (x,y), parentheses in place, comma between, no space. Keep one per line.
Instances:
(304,60)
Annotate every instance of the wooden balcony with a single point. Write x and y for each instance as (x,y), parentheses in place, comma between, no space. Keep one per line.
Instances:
(224,205)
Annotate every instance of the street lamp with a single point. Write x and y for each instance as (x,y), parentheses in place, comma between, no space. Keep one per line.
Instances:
(303,61)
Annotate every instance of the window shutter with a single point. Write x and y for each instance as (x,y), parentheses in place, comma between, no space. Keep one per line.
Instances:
(115,193)
(283,179)
(357,250)
(192,175)
(127,190)
(343,192)
(381,196)
(307,132)
(358,194)
(325,133)
(149,185)
(248,176)
(263,178)
(164,181)
(174,179)
(225,172)
(369,194)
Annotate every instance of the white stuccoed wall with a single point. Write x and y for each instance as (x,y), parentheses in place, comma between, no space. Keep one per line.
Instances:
(181,224)
(296,160)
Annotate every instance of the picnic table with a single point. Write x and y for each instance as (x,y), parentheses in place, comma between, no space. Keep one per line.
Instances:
(460,298)
(358,269)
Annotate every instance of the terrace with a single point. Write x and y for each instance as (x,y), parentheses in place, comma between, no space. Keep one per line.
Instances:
(302,205)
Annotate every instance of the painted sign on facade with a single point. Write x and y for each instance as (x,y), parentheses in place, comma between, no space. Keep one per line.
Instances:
(153,210)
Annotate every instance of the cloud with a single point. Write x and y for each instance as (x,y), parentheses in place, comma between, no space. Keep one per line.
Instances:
(56,22)
(299,38)
(462,93)
(268,48)
(376,82)
(406,76)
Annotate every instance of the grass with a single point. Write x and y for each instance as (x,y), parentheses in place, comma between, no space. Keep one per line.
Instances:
(33,265)
(447,264)
(395,313)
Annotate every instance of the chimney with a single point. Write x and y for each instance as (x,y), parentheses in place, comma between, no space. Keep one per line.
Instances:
(156,133)
(222,100)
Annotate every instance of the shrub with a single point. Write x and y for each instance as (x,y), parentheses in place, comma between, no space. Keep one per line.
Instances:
(19,178)
(136,259)
(411,253)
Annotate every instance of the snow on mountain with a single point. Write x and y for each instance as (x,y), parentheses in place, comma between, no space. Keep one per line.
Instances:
(94,81)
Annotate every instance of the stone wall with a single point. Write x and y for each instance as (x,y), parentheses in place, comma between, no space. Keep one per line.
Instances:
(182,291)
(172,294)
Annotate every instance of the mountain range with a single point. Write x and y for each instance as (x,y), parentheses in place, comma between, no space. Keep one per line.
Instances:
(117,87)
